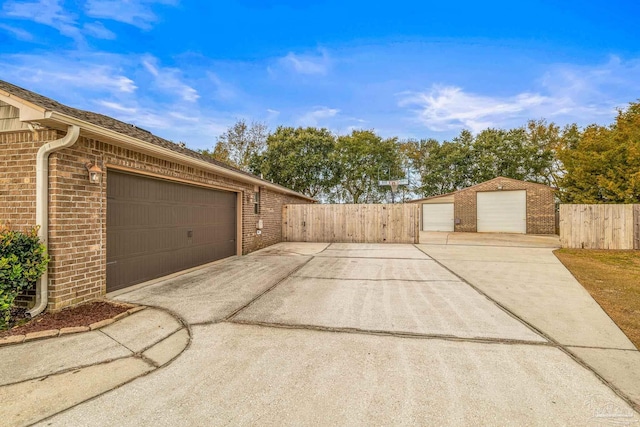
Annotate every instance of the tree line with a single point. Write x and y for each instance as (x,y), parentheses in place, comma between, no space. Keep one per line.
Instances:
(595,164)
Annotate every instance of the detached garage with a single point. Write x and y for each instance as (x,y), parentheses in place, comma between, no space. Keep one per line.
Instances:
(438,214)
(501,205)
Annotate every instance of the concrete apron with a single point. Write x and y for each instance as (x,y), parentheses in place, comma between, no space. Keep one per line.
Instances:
(42,378)
(489,239)
(532,284)
(353,334)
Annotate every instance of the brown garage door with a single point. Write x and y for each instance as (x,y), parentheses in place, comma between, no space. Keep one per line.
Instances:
(157,227)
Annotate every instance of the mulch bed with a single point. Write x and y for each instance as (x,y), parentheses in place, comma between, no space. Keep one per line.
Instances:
(81,315)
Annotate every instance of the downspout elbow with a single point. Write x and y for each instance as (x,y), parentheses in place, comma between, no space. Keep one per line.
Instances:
(42,208)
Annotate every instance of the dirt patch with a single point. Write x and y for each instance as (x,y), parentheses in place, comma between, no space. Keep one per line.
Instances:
(81,315)
(613,280)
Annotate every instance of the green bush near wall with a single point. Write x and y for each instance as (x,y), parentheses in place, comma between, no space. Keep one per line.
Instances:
(23,259)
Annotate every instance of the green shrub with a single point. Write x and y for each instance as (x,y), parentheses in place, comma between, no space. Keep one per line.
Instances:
(23,259)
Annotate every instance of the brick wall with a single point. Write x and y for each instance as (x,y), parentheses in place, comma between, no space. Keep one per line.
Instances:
(77,227)
(540,205)
(18,176)
(271,215)
(77,217)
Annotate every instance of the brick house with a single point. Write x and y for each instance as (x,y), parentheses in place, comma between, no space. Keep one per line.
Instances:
(500,205)
(118,205)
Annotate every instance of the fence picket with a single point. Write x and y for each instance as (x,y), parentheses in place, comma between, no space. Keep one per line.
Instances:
(364,223)
(605,226)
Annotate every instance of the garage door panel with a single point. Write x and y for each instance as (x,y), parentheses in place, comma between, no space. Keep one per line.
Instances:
(502,211)
(437,217)
(148,225)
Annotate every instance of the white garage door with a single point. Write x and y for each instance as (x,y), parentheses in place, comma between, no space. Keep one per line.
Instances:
(437,217)
(502,211)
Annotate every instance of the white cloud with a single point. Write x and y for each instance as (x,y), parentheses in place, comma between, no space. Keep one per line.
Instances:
(183,117)
(45,12)
(149,64)
(117,107)
(58,74)
(594,90)
(18,33)
(224,91)
(138,13)
(168,80)
(307,64)
(52,13)
(448,107)
(313,117)
(151,116)
(98,30)
(566,93)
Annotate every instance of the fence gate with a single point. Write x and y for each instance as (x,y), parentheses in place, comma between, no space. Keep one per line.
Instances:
(604,226)
(361,223)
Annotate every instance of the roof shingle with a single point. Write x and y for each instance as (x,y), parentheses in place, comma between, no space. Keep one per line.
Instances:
(112,124)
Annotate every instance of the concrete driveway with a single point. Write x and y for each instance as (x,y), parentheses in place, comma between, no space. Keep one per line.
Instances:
(362,334)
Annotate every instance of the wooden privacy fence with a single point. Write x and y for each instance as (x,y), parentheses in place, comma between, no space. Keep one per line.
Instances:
(392,223)
(600,226)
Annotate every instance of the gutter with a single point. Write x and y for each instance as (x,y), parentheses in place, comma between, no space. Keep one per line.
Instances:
(166,153)
(42,207)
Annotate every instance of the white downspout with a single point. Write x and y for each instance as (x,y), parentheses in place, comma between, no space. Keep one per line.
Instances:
(42,208)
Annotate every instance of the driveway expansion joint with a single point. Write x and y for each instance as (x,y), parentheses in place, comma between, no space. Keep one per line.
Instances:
(116,341)
(374,257)
(632,350)
(492,261)
(66,370)
(396,334)
(351,279)
(146,360)
(272,287)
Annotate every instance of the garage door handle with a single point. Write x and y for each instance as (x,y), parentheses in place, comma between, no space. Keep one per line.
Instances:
(112,262)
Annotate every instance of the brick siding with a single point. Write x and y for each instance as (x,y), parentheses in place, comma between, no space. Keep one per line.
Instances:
(77,208)
(18,176)
(540,205)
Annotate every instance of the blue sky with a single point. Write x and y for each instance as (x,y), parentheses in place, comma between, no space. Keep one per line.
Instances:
(186,70)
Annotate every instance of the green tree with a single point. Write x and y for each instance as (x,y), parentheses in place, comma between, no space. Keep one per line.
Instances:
(544,141)
(526,153)
(361,159)
(445,167)
(300,159)
(239,143)
(603,163)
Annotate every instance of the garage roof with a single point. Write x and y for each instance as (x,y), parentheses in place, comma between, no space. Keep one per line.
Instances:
(466,188)
(130,130)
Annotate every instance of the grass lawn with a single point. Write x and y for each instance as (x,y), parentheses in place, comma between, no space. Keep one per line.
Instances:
(613,280)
